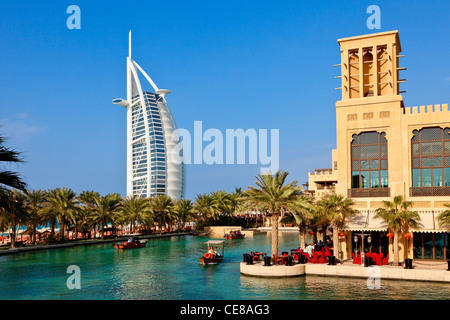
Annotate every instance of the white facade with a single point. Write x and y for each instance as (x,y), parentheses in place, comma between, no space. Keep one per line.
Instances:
(150,124)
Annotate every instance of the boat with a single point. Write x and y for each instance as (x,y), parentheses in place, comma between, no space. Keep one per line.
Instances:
(234,234)
(130,244)
(213,256)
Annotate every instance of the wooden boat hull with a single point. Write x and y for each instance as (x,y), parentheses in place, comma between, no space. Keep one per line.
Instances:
(214,260)
(242,236)
(130,245)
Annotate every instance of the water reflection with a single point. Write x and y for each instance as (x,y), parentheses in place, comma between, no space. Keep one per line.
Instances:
(169,269)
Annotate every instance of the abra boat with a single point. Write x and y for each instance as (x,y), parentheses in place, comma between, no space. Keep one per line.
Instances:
(130,245)
(213,256)
(234,234)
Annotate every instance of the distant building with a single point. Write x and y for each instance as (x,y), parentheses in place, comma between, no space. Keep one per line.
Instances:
(150,125)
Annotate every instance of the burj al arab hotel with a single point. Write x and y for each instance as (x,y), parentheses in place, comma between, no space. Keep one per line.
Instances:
(150,125)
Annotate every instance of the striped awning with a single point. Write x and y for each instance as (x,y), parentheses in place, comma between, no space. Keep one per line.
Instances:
(365,221)
(429,223)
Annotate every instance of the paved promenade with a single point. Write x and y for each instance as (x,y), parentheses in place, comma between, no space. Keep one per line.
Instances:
(84,243)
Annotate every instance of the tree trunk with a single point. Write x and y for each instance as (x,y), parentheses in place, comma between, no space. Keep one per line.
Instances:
(302,232)
(61,228)
(396,251)
(336,244)
(274,234)
(33,236)
(13,237)
(314,229)
(52,226)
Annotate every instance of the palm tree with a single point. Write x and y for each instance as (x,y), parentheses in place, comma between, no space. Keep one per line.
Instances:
(303,211)
(444,217)
(86,206)
(13,211)
(206,206)
(162,207)
(87,198)
(34,205)
(135,209)
(10,179)
(222,201)
(62,203)
(104,209)
(336,208)
(399,218)
(235,199)
(274,196)
(184,210)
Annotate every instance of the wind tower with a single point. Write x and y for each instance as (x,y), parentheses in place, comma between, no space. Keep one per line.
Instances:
(369,115)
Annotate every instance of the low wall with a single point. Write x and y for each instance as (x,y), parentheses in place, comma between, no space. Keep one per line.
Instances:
(352,271)
(275,271)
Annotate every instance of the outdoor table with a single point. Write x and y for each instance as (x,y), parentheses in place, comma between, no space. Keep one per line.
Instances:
(260,255)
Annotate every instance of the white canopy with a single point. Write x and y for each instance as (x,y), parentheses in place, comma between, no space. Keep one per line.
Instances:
(429,223)
(215,242)
(365,221)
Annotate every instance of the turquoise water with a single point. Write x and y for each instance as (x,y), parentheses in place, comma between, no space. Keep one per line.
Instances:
(168,269)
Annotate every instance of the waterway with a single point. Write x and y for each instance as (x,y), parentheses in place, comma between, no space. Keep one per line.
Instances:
(169,269)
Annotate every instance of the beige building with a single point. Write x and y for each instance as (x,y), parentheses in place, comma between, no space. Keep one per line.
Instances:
(385,149)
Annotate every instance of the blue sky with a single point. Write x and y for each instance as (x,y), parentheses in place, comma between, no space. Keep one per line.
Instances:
(231,64)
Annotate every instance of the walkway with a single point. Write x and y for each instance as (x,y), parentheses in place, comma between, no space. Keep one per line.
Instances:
(74,243)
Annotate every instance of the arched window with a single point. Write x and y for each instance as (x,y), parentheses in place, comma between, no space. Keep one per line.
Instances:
(369,164)
(430,159)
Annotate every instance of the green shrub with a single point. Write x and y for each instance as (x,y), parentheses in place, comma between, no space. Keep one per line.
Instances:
(53,239)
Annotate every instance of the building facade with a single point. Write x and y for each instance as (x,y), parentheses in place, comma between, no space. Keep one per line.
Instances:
(385,149)
(150,125)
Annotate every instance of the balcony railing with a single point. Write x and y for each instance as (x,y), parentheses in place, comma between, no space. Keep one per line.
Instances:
(429,191)
(369,192)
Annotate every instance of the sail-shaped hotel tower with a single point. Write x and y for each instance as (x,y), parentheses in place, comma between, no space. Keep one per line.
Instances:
(150,124)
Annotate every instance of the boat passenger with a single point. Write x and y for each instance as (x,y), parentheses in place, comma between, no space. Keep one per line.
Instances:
(309,249)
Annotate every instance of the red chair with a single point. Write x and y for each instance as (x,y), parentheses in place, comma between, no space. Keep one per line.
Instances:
(255,256)
(377,258)
(323,258)
(368,254)
(297,254)
(356,260)
(278,260)
(307,256)
(385,261)
(316,256)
